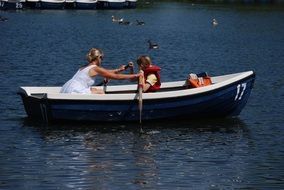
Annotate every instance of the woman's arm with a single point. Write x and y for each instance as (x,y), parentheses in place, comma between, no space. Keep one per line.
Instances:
(110,74)
(131,70)
(120,69)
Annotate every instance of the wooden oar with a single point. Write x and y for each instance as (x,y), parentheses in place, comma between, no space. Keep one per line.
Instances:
(140,88)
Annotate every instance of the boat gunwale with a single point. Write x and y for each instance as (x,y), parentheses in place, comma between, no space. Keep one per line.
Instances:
(146,96)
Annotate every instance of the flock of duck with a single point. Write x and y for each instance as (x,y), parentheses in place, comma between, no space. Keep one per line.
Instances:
(152,45)
(121,21)
(124,22)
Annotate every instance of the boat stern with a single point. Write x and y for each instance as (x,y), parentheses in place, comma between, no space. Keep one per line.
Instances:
(36,105)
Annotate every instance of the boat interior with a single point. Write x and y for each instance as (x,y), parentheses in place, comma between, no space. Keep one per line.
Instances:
(168,89)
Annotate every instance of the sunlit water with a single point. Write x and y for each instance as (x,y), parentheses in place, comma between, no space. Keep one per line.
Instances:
(45,48)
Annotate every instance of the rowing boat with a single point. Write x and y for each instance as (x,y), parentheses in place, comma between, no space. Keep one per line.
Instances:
(226,97)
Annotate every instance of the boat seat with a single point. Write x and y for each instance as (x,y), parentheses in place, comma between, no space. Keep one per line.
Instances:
(38,95)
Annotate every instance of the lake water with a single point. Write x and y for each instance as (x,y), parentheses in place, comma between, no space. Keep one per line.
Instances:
(45,48)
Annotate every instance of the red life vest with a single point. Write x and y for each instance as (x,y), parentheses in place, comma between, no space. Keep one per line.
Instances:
(153,69)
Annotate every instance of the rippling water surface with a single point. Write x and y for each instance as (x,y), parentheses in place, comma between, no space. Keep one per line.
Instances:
(45,48)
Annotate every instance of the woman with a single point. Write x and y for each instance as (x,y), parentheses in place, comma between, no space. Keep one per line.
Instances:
(83,80)
(151,74)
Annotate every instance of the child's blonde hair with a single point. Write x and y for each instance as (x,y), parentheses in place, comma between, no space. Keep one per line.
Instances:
(144,60)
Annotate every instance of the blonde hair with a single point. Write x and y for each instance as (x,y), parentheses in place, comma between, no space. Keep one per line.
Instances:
(94,54)
(144,60)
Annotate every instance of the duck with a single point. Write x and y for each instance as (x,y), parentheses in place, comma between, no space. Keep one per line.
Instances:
(140,22)
(214,22)
(116,19)
(153,45)
(124,22)
(3,19)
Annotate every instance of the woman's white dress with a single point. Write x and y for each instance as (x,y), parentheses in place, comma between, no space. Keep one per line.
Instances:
(80,83)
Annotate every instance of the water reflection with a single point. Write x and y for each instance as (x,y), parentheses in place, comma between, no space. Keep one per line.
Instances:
(98,154)
(227,125)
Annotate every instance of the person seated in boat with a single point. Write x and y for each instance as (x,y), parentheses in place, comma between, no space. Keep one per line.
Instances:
(84,78)
(151,73)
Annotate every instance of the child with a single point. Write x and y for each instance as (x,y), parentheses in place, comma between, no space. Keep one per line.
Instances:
(151,74)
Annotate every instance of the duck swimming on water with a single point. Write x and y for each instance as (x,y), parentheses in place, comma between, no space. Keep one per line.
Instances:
(152,45)
(3,19)
(116,19)
(124,22)
(214,22)
(140,22)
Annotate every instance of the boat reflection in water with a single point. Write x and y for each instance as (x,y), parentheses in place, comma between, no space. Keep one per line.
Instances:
(224,125)
(141,157)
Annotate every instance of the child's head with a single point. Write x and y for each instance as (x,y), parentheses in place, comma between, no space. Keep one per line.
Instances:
(144,62)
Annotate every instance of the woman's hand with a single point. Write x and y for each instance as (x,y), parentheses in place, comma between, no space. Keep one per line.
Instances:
(138,75)
(130,65)
(120,69)
(124,67)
